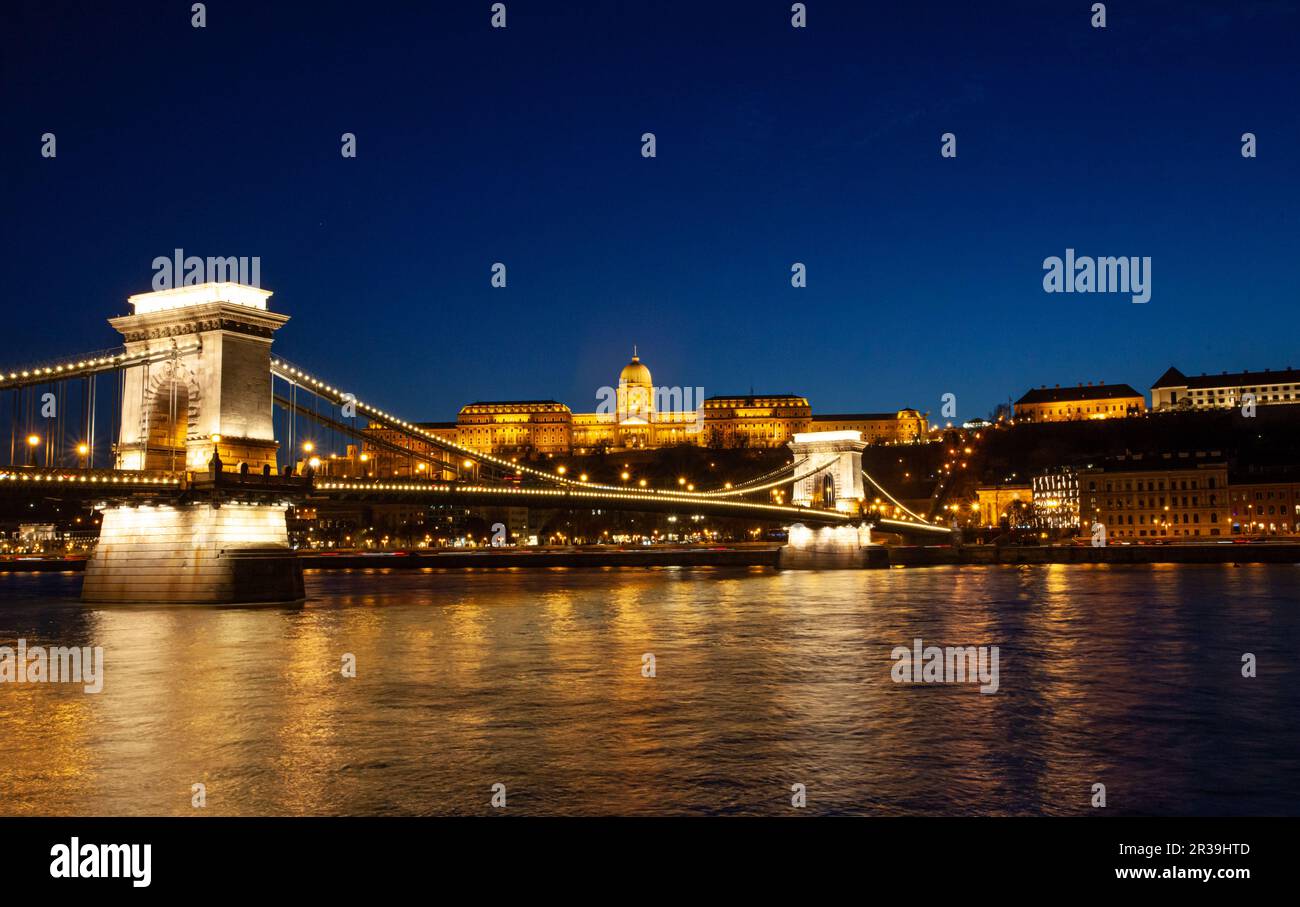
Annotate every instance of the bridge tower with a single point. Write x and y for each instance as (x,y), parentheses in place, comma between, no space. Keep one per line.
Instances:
(837,482)
(830,467)
(215,384)
(213,392)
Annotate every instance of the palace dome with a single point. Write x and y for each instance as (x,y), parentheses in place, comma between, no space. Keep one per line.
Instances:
(635,373)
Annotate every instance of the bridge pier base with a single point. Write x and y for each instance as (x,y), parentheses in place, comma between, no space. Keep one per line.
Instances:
(831,548)
(194,553)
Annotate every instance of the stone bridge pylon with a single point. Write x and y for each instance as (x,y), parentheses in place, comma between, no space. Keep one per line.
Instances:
(829,468)
(209,391)
(836,457)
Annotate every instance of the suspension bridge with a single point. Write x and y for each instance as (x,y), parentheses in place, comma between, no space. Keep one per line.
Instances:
(188,475)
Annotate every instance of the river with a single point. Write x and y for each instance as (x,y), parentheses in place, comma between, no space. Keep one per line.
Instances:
(1129,677)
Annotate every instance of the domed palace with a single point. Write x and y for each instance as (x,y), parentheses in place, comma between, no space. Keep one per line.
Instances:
(636,415)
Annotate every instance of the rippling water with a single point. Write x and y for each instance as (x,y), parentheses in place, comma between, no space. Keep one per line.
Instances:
(1127,676)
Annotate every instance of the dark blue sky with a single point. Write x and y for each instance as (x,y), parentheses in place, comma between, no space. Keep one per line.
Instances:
(775,145)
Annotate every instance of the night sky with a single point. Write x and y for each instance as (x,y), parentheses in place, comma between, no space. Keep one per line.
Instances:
(775,145)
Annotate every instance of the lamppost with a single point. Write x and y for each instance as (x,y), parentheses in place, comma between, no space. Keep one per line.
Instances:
(216,453)
(33,441)
(83,451)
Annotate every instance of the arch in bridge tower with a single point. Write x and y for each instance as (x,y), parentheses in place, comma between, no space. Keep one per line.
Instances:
(216,340)
(170,415)
(828,490)
(832,470)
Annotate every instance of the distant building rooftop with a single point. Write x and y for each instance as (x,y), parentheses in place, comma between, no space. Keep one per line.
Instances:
(855,417)
(749,399)
(1174,378)
(1083,392)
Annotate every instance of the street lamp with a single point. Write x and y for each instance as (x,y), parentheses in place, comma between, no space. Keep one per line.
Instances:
(32,442)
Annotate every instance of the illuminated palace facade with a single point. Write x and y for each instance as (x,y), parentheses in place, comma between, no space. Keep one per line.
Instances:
(641,417)
(1069,404)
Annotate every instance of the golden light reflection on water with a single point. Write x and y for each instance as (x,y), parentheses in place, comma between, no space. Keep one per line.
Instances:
(1127,676)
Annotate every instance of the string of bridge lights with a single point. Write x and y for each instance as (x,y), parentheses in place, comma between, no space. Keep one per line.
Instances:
(894,500)
(89,365)
(585,491)
(117,479)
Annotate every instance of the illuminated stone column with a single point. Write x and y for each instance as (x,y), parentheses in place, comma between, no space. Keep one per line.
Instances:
(836,483)
(208,376)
